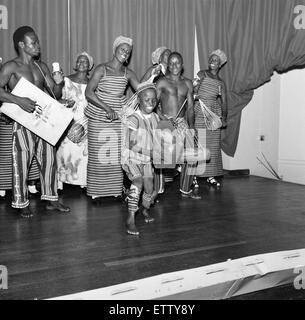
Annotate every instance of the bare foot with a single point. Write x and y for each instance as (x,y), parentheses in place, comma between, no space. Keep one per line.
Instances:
(147,217)
(25,213)
(57,206)
(131,226)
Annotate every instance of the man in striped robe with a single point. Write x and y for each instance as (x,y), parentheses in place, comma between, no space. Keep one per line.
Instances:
(25,143)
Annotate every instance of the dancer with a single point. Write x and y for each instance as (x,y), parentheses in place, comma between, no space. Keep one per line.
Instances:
(137,156)
(72,154)
(174,90)
(26,144)
(106,96)
(159,59)
(211,90)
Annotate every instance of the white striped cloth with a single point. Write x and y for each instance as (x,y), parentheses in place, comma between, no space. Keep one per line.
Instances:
(105,175)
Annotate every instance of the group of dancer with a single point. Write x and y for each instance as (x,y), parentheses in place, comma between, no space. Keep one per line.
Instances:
(104,143)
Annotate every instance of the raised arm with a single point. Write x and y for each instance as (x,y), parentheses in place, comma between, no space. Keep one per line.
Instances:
(151,71)
(147,74)
(57,86)
(6,72)
(133,79)
(196,83)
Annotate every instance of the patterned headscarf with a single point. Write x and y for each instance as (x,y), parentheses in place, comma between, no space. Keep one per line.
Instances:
(119,40)
(156,55)
(222,56)
(145,85)
(90,59)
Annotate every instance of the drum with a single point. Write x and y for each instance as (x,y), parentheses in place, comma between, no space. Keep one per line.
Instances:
(172,148)
(164,148)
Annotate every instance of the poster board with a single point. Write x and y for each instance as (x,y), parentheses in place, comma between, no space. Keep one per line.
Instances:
(50,124)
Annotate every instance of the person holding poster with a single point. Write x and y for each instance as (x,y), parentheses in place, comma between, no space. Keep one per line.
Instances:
(27,145)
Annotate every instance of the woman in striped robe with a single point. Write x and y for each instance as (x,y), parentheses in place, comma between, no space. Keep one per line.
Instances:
(106,96)
(211,90)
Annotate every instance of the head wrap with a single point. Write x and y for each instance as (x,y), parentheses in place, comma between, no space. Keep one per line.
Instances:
(119,40)
(20,33)
(156,55)
(90,59)
(222,56)
(145,85)
(132,103)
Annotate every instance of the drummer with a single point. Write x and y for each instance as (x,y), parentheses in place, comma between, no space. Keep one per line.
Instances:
(174,90)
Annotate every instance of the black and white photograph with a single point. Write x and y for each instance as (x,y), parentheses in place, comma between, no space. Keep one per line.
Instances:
(152,153)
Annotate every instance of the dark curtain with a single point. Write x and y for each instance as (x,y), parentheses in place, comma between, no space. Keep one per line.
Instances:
(49,18)
(258,37)
(150,23)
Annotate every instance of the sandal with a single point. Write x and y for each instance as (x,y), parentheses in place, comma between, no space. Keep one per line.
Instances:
(213,182)
(147,217)
(191,195)
(195,183)
(132,229)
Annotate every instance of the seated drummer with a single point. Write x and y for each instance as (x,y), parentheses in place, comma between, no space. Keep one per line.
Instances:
(174,90)
(138,153)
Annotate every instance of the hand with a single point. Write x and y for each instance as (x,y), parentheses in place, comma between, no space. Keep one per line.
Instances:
(224,122)
(156,71)
(28,105)
(171,120)
(69,103)
(196,81)
(111,114)
(58,77)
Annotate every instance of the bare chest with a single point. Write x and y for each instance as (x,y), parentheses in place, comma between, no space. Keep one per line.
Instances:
(30,73)
(176,90)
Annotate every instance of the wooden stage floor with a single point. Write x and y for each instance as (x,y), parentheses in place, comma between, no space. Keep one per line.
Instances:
(58,254)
